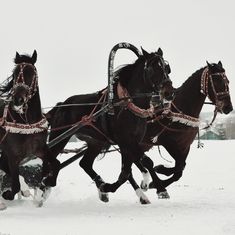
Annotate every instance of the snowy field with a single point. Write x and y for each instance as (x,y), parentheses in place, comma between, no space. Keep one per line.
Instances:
(202,202)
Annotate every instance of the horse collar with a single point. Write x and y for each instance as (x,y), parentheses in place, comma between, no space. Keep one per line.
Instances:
(143,113)
(14,127)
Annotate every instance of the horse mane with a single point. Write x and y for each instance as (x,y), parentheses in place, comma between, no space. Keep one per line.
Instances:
(124,74)
(6,86)
(195,75)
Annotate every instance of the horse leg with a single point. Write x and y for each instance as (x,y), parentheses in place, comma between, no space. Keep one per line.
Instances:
(24,187)
(2,204)
(127,160)
(5,170)
(156,181)
(178,172)
(142,197)
(15,184)
(180,156)
(146,176)
(86,163)
(51,165)
(50,171)
(176,176)
(4,163)
(161,169)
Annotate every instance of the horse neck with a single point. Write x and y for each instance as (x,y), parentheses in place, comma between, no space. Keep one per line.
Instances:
(137,85)
(189,99)
(34,111)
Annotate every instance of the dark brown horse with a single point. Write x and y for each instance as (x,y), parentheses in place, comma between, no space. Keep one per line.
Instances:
(23,127)
(125,127)
(178,127)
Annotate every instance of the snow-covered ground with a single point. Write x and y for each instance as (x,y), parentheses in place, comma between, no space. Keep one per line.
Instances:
(202,202)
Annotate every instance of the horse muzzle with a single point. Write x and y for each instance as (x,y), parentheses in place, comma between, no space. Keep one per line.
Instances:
(225,106)
(167,91)
(227,109)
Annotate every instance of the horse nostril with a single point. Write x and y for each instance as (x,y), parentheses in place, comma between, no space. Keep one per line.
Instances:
(168,95)
(227,109)
(18,101)
(21,100)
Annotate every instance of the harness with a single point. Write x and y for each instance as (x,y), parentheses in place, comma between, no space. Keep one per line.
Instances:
(188,120)
(27,128)
(143,113)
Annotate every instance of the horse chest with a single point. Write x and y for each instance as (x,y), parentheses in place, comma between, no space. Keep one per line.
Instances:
(23,145)
(128,127)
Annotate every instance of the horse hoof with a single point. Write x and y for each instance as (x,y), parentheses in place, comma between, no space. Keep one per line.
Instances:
(46,193)
(25,193)
(38,204)
(2,206)
(151,185)
(144,186)
(143,198)
(144,201)
(163,195)
(49,181)
(38,197)
(8,195)
(159,169)
(104,197)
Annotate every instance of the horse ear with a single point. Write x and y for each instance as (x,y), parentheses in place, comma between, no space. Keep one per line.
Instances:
(145,53)
(34,57)
(209,65)
(17,58)
(220,64)
(160,52)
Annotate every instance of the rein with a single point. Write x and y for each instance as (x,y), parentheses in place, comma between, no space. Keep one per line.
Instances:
(88,120)
(142,95)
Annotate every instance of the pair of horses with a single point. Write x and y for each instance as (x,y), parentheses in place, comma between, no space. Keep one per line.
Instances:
(23,129)
(175,128)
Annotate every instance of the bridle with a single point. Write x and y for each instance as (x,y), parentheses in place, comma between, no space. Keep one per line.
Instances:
(165,68)
(19,81)
(13,126)
(208,77)
(124,95)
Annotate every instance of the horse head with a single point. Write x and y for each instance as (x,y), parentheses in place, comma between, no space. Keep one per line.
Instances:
(25,81)
(156,73)
(215,85)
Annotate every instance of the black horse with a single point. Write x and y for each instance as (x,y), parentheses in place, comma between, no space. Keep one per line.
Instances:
(179,124)
(125,127)
(23,127)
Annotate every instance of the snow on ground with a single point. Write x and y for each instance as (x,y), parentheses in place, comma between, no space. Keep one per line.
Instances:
(202,202)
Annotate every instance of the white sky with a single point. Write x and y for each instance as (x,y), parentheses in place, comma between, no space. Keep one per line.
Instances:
(73,38)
